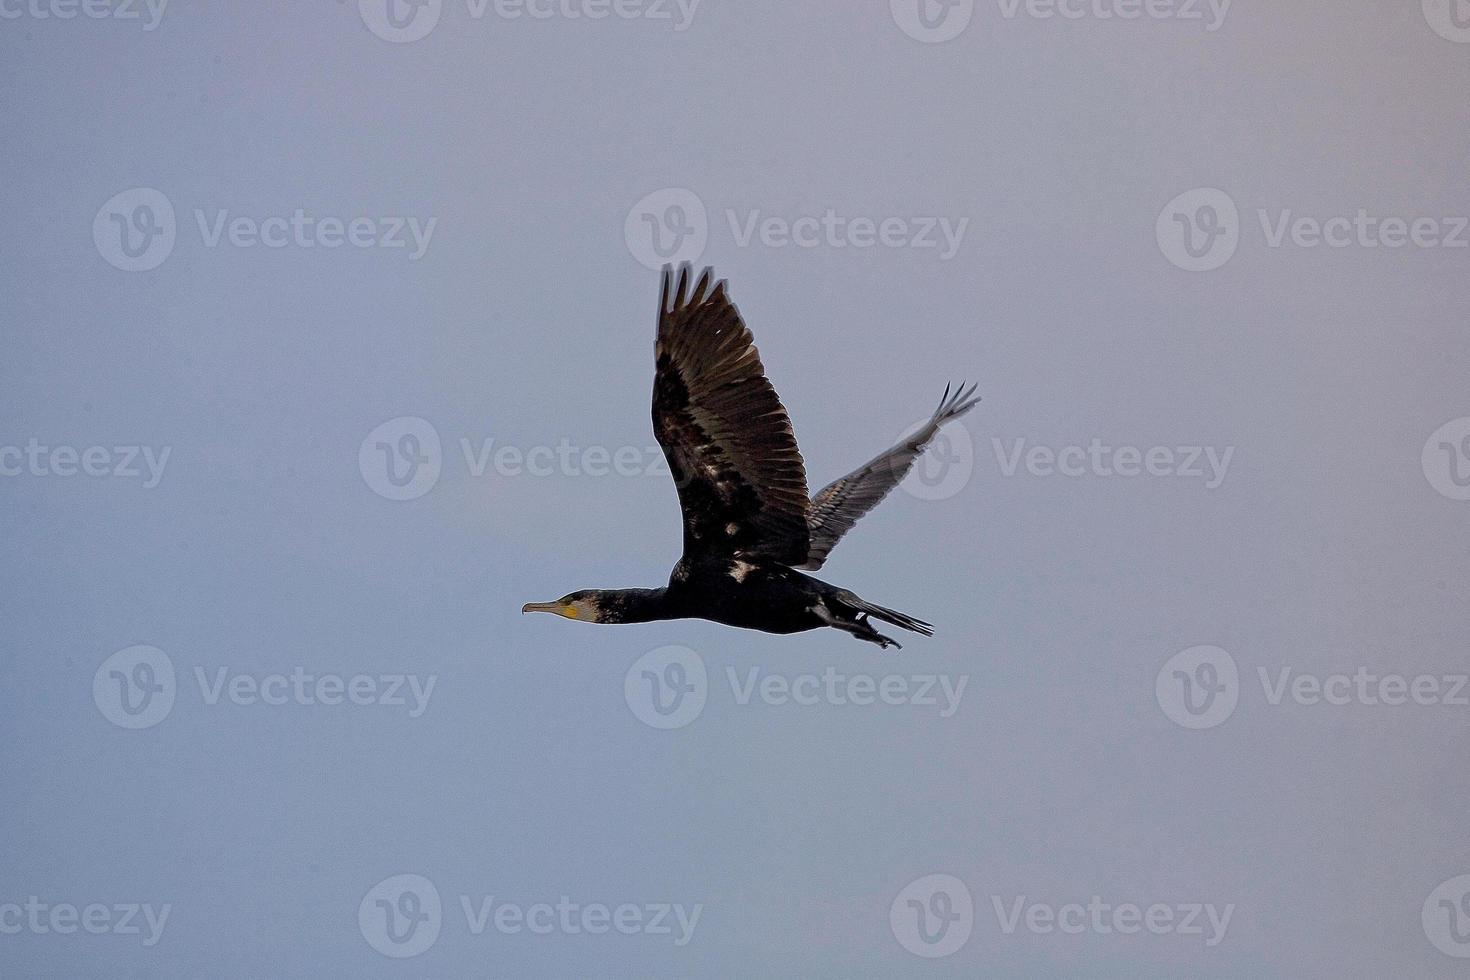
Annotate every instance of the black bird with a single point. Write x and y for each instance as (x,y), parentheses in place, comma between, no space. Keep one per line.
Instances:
(748,524)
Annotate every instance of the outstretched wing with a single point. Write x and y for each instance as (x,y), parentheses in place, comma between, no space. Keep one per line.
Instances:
(840,504)
(728,440)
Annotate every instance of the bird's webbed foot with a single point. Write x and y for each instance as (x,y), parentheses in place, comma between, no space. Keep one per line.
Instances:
(865,631)
(860,628)
(883,641)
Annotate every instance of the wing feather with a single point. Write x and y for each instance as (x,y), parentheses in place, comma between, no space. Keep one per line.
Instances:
(840,504)
(741,480)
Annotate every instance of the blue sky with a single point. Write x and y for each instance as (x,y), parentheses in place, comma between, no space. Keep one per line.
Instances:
(327,344)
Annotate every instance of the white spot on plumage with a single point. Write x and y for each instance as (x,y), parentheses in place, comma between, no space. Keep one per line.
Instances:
(732,529)
(740,569)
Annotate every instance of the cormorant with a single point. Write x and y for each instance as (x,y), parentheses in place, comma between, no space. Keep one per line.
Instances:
(748,525)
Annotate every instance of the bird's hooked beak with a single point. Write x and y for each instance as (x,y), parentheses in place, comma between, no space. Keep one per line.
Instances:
(559,608)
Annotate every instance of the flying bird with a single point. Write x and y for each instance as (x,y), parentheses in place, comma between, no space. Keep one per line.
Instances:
(748,523)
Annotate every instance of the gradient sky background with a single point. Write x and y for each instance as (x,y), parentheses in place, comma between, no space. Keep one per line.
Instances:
(529,320)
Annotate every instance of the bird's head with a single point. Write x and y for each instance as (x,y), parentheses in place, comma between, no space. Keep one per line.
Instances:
(585,605)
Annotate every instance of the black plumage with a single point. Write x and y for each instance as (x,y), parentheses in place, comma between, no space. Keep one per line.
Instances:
(748,522)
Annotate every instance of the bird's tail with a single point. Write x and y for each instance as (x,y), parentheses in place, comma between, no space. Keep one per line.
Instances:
(890,615)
